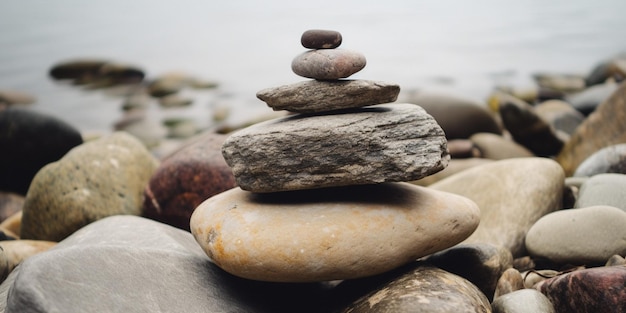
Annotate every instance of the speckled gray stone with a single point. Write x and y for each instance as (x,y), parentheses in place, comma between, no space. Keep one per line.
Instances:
(382,143)
(94,180)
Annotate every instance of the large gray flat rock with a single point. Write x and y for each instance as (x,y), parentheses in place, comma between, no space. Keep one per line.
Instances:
(382,143)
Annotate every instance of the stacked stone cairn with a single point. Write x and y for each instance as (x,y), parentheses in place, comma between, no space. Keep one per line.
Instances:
(322,194)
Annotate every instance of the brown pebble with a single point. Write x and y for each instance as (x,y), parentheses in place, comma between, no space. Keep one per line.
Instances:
(321,39)
(511,280)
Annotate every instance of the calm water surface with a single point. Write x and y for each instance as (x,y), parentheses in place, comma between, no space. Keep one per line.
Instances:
(465,47)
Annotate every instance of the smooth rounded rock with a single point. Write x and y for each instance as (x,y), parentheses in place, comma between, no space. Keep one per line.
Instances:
(130,264)
(533,277)
(454,166)
(528,128)
(560,82)
(616,260)
(13,252)
(588,100)
(77,69)
(496,147)
(604,127)
(328,64)
(424,289)
(321,39)
(592,290)
(589,235)
(184,179)
(512,195)
(329,234)
(459,117)
(12,97)
(560,115)
(28,141)
(382,143)
(12,225)
(319,96)
(480,263)
(462,148)
(174,100)
(10,203)
(603,189)
(511,280)
(97,179)
(611,159)
(523,301)
(612,68)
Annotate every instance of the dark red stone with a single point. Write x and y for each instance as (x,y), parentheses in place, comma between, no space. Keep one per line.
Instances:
(321,39)
(599,289)
(187,178)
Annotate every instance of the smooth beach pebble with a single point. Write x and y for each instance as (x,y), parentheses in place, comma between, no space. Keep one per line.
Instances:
(329,234)
(321,39)
(588,235)
(328,64)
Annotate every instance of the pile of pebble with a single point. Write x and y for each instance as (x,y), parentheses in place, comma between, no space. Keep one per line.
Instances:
(349,204)
(323,180)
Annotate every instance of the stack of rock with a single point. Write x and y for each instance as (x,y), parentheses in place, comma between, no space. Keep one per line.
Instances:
(322,194)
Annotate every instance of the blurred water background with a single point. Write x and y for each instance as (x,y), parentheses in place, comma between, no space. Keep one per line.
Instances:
(465,47)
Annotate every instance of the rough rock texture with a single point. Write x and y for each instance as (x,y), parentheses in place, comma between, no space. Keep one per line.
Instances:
(28,141)
(592,290)
(94,180)
(528,128)
(589,235)
(185,179)
(318,96)
(328,63)
(512,195)
(424,289)
(603,189)
(611,159)
(321,39)
(603,128)
(482,264)
(132,264)
(459,117)
(329,234)
(382,143)
(523,301)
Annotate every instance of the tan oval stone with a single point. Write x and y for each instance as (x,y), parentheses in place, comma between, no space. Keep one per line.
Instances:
(329,234)
(512,195)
